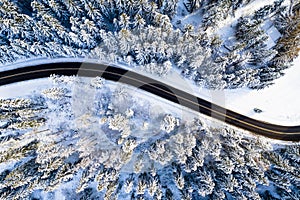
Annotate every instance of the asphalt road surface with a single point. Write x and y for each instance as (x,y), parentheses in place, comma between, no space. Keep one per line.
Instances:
(286,133)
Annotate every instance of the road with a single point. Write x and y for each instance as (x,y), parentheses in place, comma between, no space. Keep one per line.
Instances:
(286,133)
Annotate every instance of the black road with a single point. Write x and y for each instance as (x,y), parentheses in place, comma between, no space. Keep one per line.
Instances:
(287,133)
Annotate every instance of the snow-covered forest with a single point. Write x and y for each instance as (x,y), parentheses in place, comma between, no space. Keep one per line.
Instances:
(122,143)
(217,44)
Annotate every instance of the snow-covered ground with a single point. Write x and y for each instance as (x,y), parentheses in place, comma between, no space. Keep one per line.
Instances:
(23,88)
(279,103)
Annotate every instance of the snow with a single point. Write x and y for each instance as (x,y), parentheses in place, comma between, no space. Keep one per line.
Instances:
(272,32)
(254,5)
(23,88)
(158,105)
(278,102)
(7,165)
(192,19)
(226,28)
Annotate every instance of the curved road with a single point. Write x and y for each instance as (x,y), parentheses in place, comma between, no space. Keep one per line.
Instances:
(287,133)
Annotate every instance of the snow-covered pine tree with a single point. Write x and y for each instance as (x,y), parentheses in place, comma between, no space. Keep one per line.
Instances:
(93,10)
(170,7)
(192,5)
(74,7)
(215,12)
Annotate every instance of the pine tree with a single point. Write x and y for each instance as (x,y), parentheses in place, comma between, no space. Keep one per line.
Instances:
(139,22)
(59,9)
(192,5)
(93,10)
(215,12)
(170,8)
(73,6)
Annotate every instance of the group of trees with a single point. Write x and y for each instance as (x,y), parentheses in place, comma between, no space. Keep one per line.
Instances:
(105,153)
(253,38)
(288,45)
(142,33)
(250,61)
(21,113)
(215,12)
(72,28)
